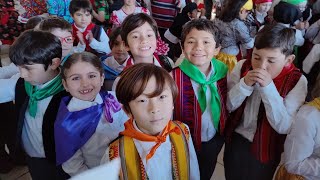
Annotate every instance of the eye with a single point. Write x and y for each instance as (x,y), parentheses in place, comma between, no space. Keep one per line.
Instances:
(271,62)
(142,100)
(163,96)
(92,76)
(75,78)
(190,42)
(206,42)
(134,37)
(150,35)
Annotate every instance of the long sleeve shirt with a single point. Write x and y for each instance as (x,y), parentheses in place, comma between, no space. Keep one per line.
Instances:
(90,154)
(302,146)
(280,111)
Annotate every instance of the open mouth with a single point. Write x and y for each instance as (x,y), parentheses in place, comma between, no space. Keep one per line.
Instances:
(86,91)
(145,48)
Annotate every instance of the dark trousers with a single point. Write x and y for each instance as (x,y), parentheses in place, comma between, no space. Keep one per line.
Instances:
(207,157)
(41,168)
(208,6)
(240,164)
(7,136)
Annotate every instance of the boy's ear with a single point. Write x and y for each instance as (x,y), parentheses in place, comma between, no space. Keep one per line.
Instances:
(55,63)
(216,50)
(290,59)
(64,83)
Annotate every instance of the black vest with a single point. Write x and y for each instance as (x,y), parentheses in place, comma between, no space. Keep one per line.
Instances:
(21,101)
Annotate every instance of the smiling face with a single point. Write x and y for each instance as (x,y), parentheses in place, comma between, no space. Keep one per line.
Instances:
(200,48)
(152,114)
(272,60)
(82,18)
(83,81)
(142,42)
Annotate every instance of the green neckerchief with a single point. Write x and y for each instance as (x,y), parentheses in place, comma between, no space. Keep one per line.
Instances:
(220,71)
(51,89)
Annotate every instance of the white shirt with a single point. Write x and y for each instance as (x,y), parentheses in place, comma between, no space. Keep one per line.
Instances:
(101,46)
(279,111)
(7,88)
(32,128)
(8,71)
(113,64)
(207,128)
(302,146)
(159,167)
(311,59)
(90,154)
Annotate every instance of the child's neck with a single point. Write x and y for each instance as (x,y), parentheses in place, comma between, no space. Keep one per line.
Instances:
(138,60)
(205,69)
(121,61)
(128,9)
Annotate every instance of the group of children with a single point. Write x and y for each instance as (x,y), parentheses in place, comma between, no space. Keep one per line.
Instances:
(164,120)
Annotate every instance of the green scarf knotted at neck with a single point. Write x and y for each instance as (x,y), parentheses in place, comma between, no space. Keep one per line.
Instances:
(51,89)
(220,71)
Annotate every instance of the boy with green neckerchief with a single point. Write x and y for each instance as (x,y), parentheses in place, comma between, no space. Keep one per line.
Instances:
(37,98)
(202,85)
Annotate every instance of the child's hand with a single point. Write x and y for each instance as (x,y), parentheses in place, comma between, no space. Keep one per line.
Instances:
(249,78)
(80,36)
(300,26)
(202,12)
(89,36)
(261,76)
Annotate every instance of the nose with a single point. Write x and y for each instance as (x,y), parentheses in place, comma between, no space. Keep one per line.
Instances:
(84,82)
(143,39)
(198,46)
(154,107)
(264,65)
(122,47)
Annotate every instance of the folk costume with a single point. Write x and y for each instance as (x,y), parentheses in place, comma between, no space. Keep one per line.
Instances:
(169,155)
(84,129)
(201,105)
(100,42)
(260,118)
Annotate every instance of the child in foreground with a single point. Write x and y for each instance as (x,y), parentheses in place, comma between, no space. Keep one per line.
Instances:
(264,95)
(152,146)
(89,120)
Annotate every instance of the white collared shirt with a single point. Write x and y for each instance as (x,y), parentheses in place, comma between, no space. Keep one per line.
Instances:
(279,111)
(113,64)
(90,154)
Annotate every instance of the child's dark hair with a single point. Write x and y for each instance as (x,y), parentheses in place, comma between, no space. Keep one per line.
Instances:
(81,57)
(286,13)
(35,47)
(202,25)
(276,36)
(53,23)
(134,21)
(134,80)
(113,36)
(34,21)
(231,10)
(76,5)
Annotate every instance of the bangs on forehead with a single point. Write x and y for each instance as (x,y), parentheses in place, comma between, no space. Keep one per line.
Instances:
(142,83)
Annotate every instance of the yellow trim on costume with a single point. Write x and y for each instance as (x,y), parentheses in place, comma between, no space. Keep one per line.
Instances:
(248,5)
(315,103)
(180,144)
(283,174)
(131,165)
(229,60)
